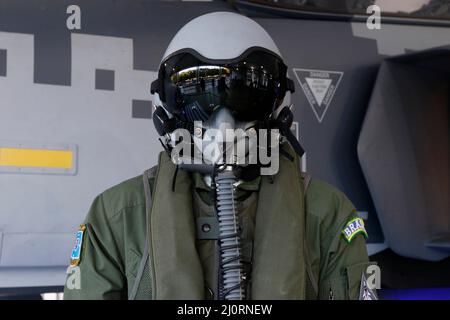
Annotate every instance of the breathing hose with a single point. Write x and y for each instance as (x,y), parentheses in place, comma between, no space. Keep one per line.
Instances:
(232,277)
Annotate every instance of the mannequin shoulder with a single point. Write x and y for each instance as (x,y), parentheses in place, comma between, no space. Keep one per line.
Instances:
(327,203)
(126,194)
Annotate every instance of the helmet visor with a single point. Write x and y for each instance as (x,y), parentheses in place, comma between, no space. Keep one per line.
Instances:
(251,87)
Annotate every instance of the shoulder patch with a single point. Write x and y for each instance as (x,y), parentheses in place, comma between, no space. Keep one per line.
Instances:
(76,251)
(354,227)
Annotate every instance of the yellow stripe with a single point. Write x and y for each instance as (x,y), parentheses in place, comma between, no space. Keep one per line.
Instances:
(40,158)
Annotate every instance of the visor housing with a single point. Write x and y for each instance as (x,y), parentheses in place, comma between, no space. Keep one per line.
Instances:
(252,85)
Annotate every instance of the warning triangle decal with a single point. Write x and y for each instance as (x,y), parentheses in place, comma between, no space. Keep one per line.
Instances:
(319,87)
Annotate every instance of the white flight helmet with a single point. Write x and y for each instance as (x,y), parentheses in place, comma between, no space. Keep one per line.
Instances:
(224,71)
(221,36)
(220,59)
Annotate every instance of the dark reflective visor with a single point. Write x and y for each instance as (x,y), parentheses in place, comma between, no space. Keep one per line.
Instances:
(252,87)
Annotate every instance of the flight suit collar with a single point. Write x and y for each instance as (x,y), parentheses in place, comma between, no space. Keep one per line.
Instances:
(200,184)
(206,193)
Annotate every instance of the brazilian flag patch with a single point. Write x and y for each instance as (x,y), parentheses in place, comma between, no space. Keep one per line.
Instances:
(354,227)
(76,251)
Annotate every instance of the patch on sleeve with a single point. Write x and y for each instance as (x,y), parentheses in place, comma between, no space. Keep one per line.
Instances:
(76,251)
(354,227)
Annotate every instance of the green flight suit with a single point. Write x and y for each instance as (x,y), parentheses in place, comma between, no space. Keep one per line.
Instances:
(115,263)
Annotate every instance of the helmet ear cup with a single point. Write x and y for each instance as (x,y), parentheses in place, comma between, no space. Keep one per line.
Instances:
(163,124)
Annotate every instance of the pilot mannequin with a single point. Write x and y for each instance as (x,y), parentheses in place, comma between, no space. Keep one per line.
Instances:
(218,229)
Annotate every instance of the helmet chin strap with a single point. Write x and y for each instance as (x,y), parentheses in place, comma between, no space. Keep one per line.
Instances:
(284,122)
